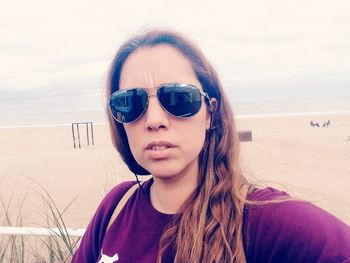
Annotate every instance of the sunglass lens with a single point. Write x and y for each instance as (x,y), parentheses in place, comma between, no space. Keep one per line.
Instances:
(128,105)
(180,100)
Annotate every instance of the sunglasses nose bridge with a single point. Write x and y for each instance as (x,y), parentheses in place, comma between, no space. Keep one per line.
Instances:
(155,115)
(150,95)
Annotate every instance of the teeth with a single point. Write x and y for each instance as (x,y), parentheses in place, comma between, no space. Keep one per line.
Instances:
(159,147)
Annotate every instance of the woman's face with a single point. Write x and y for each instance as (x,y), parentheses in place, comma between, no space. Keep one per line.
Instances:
(166,146)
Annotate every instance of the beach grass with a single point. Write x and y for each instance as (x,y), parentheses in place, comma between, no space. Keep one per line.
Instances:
(59,246)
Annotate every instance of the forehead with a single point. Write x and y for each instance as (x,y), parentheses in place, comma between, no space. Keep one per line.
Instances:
(151,66)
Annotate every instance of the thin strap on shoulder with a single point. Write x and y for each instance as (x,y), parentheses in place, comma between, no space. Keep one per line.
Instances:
(121,204)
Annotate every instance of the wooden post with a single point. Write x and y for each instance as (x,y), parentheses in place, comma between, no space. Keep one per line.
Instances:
(78,134)
(73,135)
(76,124)
(87,133)
(92,133)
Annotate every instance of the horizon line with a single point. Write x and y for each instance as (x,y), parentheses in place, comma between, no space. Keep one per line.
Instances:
(238,116)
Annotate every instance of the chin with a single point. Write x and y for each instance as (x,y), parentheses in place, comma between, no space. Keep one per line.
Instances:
(163,175)
(164,172)
(173,169)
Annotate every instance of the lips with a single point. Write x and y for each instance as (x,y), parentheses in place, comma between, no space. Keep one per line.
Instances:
(160,150)
(160,145)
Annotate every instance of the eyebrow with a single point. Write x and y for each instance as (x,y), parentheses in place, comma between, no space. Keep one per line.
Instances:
(158,86)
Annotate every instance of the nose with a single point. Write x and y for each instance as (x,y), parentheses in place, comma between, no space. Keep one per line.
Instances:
(155,117)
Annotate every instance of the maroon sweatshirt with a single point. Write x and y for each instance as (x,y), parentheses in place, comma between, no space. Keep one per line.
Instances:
(290,231)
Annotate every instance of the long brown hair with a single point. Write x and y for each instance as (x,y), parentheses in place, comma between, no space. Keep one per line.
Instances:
(209,225)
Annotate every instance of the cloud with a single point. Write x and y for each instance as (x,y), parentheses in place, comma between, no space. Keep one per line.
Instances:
(260,48)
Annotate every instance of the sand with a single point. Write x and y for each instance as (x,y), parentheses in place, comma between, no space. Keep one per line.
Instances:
(309,163)
(286,152)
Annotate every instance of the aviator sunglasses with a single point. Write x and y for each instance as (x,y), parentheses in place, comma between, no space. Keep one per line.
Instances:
(179,100)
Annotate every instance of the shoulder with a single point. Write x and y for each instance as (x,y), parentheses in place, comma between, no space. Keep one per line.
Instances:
(91,242)
(278,228)
(108,204)
(114,195)
(268,193)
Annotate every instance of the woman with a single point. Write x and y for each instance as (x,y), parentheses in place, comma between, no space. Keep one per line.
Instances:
(170,118)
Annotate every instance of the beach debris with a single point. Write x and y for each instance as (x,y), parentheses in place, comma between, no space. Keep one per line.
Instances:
(245,135)
(75,126)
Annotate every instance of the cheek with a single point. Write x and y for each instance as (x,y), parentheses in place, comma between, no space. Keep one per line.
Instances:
(194,135)
(134,139)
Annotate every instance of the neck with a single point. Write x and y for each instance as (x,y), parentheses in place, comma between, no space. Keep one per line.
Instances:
(168,195)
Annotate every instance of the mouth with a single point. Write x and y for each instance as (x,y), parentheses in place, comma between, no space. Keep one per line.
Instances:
(159,146)
(160,150)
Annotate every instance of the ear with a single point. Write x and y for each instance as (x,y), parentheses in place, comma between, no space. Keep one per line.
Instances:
(212,108)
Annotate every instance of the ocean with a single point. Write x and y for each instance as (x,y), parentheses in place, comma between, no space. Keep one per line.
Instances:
(242,109)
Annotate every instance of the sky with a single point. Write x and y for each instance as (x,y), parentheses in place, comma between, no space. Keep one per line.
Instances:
(54,55)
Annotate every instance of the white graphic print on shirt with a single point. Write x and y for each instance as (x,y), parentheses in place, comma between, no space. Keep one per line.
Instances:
(107,259)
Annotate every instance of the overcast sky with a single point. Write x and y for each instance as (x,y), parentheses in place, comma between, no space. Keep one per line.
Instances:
(55,54)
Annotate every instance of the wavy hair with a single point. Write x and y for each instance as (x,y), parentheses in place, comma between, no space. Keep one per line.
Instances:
(208,227)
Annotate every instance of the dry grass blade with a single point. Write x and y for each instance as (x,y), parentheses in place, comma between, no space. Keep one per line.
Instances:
(14,247)
(60,246)
(55,216)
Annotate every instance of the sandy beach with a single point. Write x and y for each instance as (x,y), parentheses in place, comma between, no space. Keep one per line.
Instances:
(286,152)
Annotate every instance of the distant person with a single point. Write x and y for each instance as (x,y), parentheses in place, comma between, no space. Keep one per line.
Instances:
(327,123)
(314,124)
(170,118)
